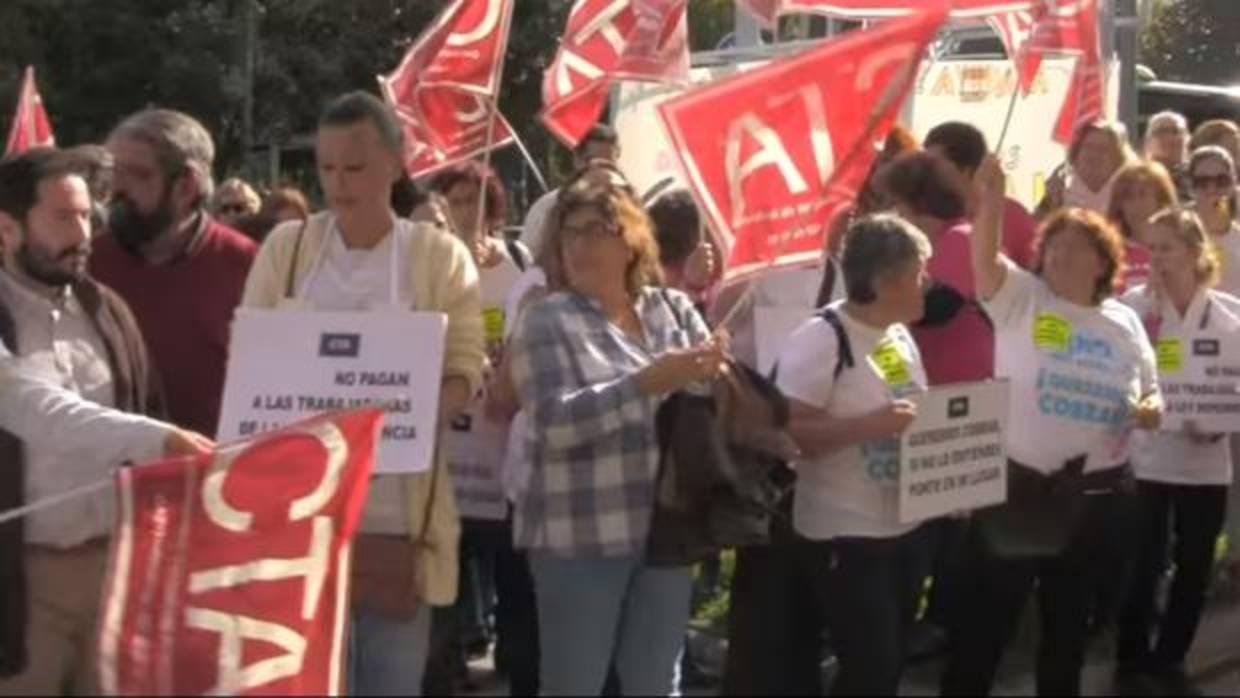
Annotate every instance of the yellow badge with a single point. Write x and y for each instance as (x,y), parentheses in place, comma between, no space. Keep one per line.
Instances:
(1170,352)
(891,364)
(1052,332)
(493,324)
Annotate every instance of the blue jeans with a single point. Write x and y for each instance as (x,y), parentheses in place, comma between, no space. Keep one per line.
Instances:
(388,658)
(593,610)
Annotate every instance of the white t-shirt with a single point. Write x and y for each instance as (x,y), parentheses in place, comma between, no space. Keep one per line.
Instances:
(1228,247)
(1074,371)
(853,492)
(475,444)
(1171,457)
(536,220)
(791,289)
(356,280)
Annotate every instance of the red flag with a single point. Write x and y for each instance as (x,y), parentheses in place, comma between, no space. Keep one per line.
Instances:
(1067,27)
(772,154)
(229,573)
(31,128)
(446,87)
(606,40)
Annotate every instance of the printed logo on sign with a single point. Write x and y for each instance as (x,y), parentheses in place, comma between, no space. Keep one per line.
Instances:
(340,345)
(1206,347)
(958,408)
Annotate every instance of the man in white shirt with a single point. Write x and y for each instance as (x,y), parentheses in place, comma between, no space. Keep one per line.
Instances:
(600,143)
(74,377)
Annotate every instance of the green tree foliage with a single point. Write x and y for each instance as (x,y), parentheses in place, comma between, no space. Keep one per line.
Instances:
(99,61)
(1194,41)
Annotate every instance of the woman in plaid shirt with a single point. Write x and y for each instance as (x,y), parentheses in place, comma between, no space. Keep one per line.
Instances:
(591,364)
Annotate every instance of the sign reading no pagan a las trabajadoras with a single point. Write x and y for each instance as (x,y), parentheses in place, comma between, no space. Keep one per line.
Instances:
(287,365)
(952,458)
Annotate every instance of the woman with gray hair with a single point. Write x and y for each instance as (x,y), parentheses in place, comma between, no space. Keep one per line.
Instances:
(848,372)
(1212,179)
(1166,142)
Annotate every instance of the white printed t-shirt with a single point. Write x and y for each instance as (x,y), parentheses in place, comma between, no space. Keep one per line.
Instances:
(1171,457)
(852,492)
(1073,369)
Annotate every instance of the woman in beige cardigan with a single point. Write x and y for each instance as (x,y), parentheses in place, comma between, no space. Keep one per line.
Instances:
(356,256)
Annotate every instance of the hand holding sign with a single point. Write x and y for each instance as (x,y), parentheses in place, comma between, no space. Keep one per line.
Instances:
(1147,414)
(894,419)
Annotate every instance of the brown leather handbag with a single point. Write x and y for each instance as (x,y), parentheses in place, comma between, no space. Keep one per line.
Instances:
(383,580)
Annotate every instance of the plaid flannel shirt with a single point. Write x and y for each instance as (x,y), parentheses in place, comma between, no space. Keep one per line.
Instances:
(592,442)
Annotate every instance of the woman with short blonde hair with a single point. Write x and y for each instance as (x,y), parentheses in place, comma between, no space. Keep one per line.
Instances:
(1182,476)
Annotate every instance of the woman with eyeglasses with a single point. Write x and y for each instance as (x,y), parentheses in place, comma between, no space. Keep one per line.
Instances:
(591,363)
(1182,476)
(1212,177)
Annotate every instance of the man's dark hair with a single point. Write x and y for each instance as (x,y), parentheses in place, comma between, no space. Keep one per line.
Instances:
(925,183)
(20,176)
(598,133)
(406,197)
(355,107)
(963,144)
(677,226)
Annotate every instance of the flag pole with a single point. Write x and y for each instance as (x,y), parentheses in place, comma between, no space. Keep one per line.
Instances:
(529,159)
(493,100)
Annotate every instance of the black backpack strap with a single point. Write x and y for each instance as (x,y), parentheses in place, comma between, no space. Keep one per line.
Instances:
(829,274)
(845,359)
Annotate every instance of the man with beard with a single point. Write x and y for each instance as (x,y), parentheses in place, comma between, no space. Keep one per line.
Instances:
(180,270)
(74,381)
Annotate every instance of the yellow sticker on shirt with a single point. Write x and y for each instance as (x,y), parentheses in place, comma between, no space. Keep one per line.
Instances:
(1170,352)
(493,324)
(1052,332)
(891,363)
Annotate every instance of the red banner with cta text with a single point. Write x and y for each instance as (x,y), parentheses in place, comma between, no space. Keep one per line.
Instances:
(773,154)
(608,40)
(229,573)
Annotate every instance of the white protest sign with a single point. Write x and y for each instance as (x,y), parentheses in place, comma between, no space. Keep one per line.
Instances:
(952,458)
(475,449)
(287,365)
(772,327)
(1200,381)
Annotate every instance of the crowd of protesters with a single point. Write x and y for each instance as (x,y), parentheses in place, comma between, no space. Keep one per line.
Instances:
(123,266)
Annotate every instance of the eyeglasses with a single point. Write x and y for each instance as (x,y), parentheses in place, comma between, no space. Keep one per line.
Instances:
(1220,181)
(593,231)
(237,209)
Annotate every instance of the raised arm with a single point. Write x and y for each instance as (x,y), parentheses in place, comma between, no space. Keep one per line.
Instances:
(989,268)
